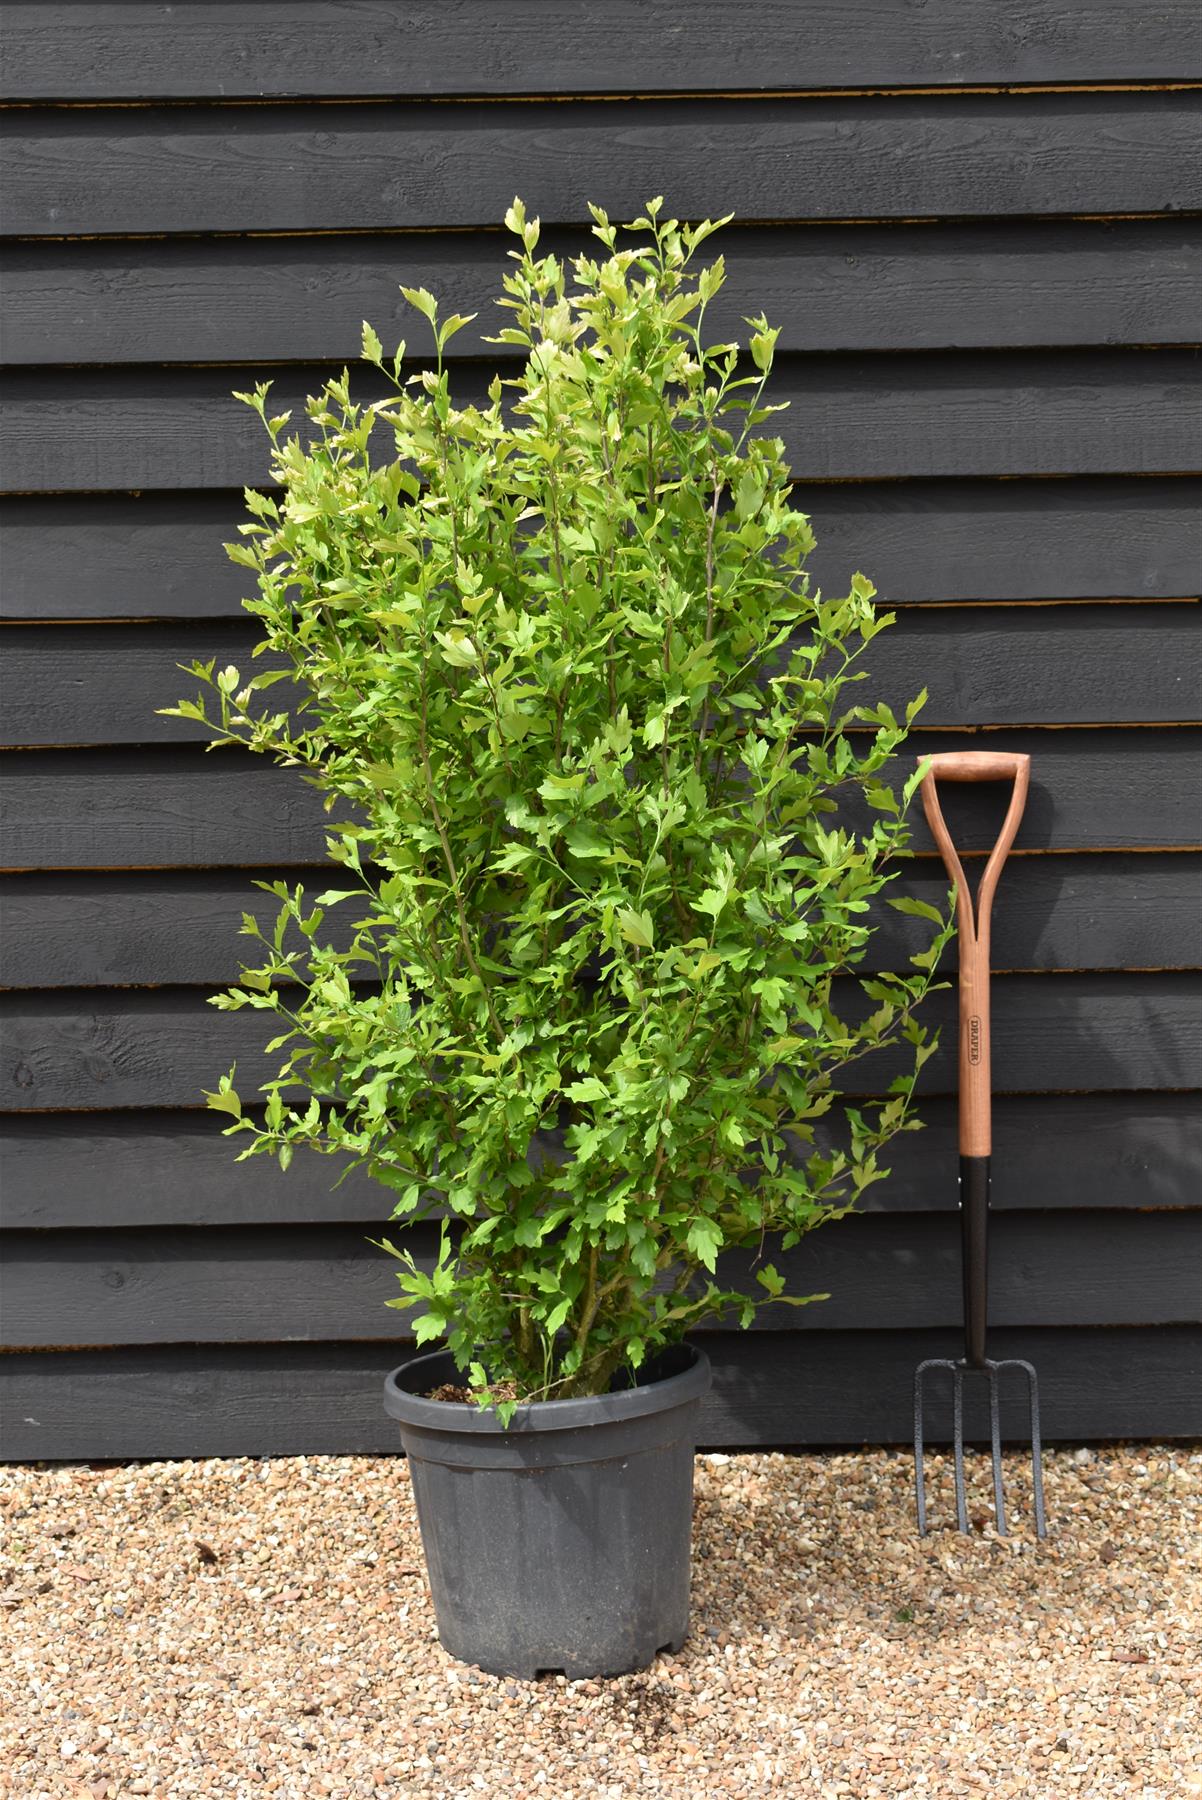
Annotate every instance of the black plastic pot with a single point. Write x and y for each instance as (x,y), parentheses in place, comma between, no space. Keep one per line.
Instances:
(559,1544)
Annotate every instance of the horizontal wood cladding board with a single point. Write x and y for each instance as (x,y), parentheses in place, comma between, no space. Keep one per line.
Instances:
(129,810)
(1016,665)
(69,1050)
(325,1282)
(770,1389)
(119,170)
(121,556)
(138,930)
(187,807)
(130,51)
(869,287)
(162,1168)
(1070,412)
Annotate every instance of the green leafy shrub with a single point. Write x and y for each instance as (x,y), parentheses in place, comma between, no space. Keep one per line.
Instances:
(561,670)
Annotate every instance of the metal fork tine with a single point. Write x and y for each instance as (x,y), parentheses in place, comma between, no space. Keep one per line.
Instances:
(995,1432)
(1041,1529)
(958,1446)
(920,1492)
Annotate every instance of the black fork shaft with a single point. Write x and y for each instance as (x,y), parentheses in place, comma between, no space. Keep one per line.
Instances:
(974,1254)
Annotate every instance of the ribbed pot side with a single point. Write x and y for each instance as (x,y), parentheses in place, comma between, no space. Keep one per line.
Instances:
(560,1544)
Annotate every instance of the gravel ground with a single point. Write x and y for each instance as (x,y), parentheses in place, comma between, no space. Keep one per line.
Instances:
(243,1626)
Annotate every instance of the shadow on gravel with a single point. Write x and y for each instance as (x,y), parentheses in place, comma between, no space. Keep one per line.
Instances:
(816,1548)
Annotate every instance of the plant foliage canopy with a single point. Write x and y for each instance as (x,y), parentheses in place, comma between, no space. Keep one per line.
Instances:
(608,819)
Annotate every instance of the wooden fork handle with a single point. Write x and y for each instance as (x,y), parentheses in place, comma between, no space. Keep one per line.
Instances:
(972,924)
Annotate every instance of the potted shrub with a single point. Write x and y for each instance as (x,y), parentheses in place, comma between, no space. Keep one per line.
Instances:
(585,736)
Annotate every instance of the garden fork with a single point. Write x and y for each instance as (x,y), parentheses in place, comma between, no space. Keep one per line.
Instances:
(975,1131)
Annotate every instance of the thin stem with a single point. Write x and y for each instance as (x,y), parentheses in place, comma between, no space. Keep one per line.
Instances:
(452,871)
(711,526)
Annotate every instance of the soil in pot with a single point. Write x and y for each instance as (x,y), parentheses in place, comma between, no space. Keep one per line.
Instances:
(451,1390)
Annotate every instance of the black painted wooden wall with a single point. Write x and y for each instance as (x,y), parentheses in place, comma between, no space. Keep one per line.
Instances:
(977,226)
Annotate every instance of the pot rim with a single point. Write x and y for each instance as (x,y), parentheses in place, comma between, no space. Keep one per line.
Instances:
(459,1416)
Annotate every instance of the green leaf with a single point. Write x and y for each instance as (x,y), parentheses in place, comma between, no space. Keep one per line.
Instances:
(588,1089)
(918,909)
(557,1317)
(712,901)
(763,346)
(637,928)
(711,279)
(749,495)
(423,301)
(449,327)
(704,1238)
(584,841)
(457,649)
(225,1100)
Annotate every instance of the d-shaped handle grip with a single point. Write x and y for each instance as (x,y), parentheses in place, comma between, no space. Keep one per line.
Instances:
(972,924)
(980,765)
